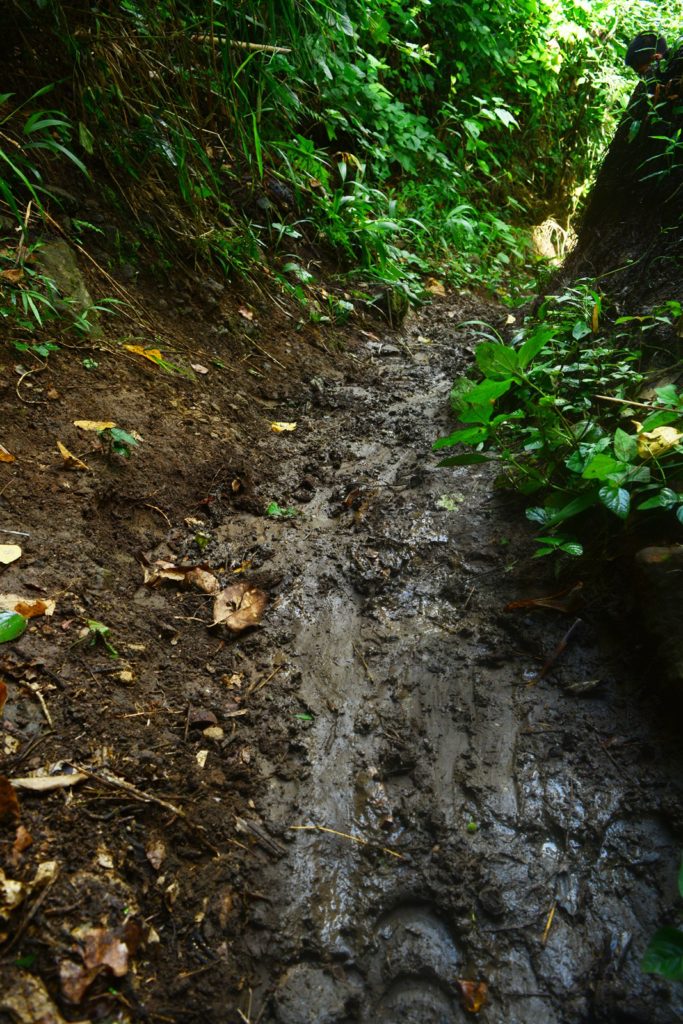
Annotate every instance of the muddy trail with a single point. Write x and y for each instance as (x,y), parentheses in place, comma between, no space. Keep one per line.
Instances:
(388,802)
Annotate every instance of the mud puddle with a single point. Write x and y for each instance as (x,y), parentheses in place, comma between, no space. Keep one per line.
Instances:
(440,818)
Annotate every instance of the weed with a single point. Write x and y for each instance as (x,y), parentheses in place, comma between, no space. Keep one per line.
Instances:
(552,411)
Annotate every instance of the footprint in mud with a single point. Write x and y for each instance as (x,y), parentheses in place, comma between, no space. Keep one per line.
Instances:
(413,970)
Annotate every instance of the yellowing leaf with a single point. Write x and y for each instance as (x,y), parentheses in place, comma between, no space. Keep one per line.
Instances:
(652,443)
(434,286)
(281,428)
(70,461)
(595,318)
(9,553)
(153,354)
(14,276)
(29,607)
(6,456)
(96,425)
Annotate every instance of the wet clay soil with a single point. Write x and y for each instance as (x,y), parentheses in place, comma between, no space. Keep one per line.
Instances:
(388,802)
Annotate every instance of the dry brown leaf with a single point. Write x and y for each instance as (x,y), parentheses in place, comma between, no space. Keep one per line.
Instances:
(12,892)
(239,606)
(206,581)
(434,286)
(156,852)
(28,1002)
(15,275)
(22,841)
(70,461)
(246,313)
(6,456)
(198,368)
(96,425)
(9,553)
(27,606)
(45,783)
(163,570)
(102,951)
(472,995)
(281,428)
(9,805)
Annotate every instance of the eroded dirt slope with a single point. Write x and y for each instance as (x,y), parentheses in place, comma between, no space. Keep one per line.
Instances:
(387,802)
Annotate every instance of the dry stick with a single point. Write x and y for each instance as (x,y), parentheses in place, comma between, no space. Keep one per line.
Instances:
(255,687)
(549,922)
(111,780)
(345,835)
(637,405)
(269,356)
(359,655)
(15,533)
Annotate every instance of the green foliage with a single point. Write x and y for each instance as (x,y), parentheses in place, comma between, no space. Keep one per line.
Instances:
(407,138)
(664,955)
(116,441)
(539,411)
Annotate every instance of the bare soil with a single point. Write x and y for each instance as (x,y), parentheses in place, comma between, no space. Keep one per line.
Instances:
(403,789)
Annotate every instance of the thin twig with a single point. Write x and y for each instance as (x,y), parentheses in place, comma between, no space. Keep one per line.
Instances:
(346,835)
(255,687)
(15,533)
(626,401)
(257,47)
(359,655)
(552,658)
(549,922)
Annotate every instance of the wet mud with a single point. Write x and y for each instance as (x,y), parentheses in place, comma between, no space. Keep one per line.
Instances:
(445,816)
(395,800)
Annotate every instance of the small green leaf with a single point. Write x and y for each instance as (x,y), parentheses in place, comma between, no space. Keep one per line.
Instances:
(625,445)
(616,499)
(600,467)
(497,362)
(12,625)
(472,435)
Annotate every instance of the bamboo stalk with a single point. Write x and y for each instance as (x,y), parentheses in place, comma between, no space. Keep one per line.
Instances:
(259,47)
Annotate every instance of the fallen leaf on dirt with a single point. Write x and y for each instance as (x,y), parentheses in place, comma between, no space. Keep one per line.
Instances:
(45,783)
(566,600)
(239,606)
(201,757)
(26,606)
(653,443)
(9,553)
(102,951)
(162,570)
(29,1003)
(9,805)
(12,892)
(472,995)
(153,354)
(214,732)
(206,581)
(198,368)
(95,425)
(6,456)
(22,841)
(434,286)
(14,275)
(71,461)
(282,428)
(156,852)
(246,313)
(12,625)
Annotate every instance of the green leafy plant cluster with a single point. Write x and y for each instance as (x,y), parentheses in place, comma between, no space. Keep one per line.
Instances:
(553,410)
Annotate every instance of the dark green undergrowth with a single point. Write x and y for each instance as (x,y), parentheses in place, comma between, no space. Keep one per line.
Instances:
(379,141)
(573,419)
